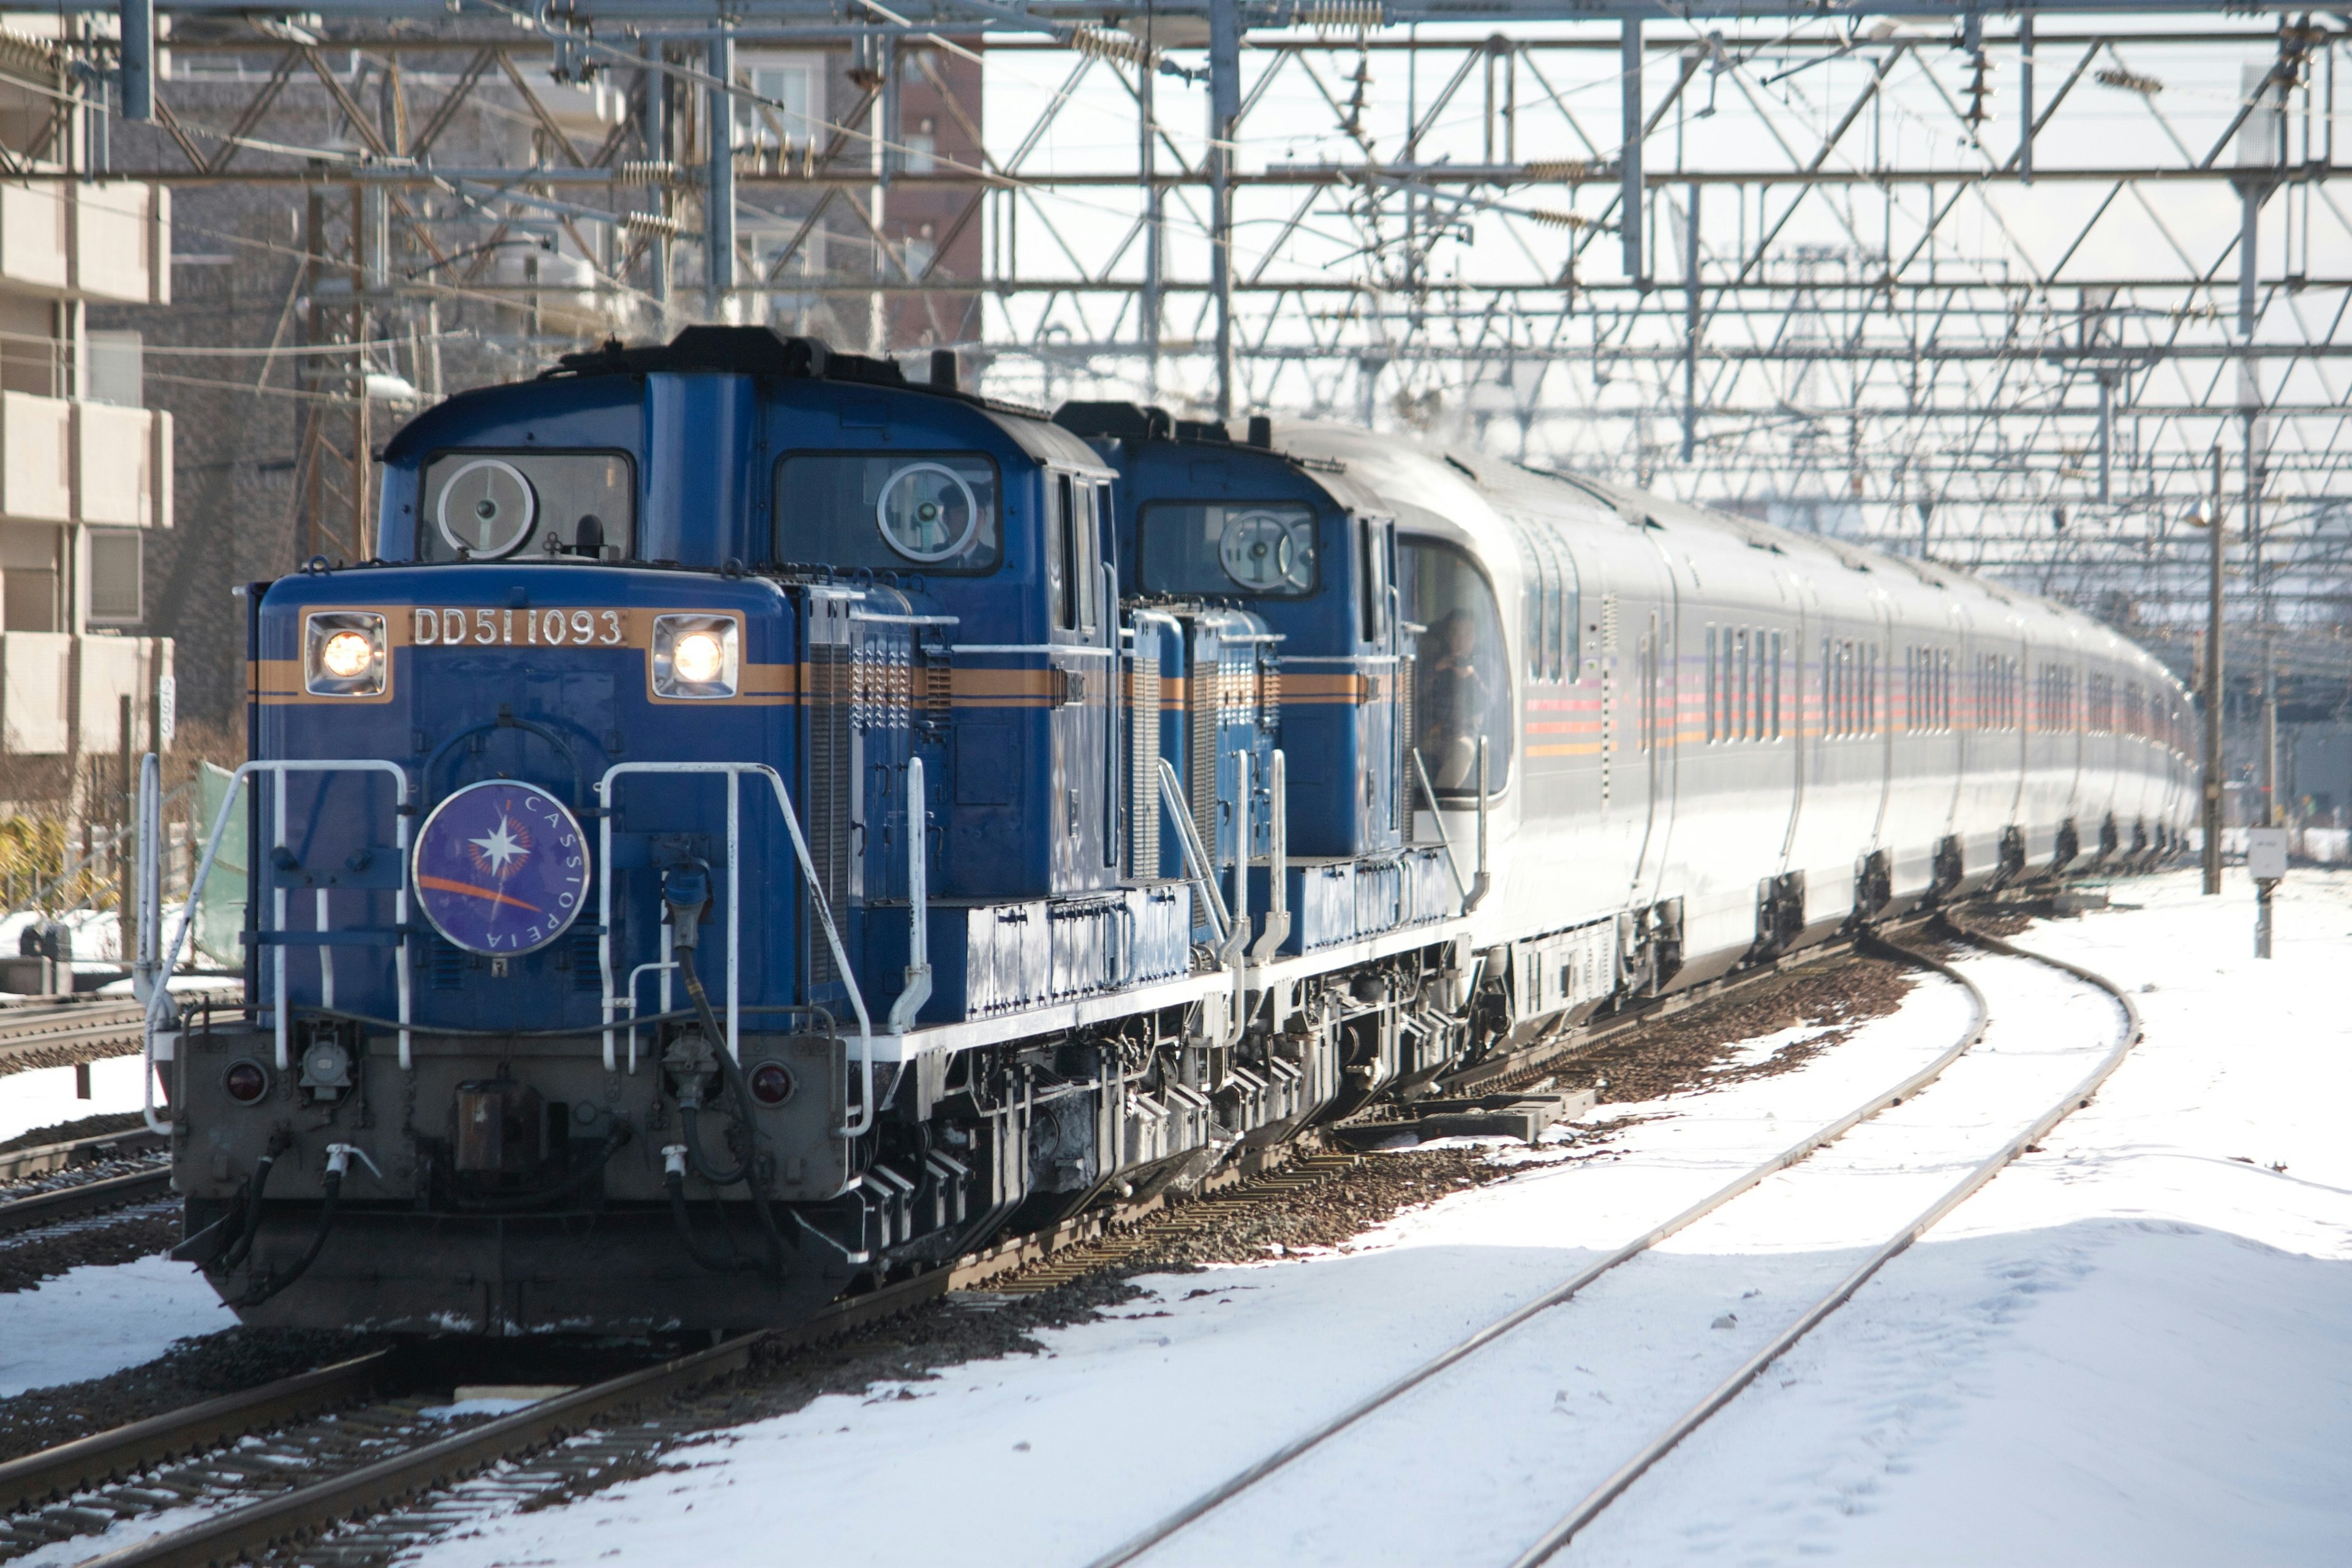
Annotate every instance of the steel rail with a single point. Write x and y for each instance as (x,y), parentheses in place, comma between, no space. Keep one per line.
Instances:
(83,1198)
(34,1479)
(51,1028)
(373,1488)
(1233,1486)
(1614,1487)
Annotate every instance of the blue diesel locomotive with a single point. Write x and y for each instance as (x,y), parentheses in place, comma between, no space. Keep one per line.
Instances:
(766,825)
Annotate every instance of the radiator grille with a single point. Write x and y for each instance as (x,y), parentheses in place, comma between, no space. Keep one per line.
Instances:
(1207,694)
(832,681)
(1143,767)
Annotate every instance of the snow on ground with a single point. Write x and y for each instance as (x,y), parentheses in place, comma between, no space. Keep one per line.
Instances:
(1132,1414)
(96,934)
(93,1321)
(2136,1347)
(45,1096)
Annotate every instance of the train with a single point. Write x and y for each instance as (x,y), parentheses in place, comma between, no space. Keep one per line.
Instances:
(766,825)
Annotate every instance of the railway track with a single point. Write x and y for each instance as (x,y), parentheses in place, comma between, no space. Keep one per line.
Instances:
(80,1200)
(285,1462)
(64,1186)
(1354,1439)
(61,1033)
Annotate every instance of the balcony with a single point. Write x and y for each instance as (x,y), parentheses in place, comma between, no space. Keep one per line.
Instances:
(62,460)
(108,243)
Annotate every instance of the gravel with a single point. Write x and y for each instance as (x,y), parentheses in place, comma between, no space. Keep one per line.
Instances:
(1693,1052)
(67,1131)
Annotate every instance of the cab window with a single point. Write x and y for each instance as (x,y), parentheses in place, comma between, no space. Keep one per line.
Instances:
(927,511)
(506,506)
(1461,680)
(1258,549)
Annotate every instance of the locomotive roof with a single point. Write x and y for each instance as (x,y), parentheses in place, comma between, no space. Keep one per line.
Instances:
(757,351)
(1427,486)
(1139,425)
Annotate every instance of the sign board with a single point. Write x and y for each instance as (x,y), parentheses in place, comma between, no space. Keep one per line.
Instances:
(2266,853)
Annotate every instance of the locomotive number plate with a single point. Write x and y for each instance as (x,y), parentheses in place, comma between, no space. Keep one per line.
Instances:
(518,628)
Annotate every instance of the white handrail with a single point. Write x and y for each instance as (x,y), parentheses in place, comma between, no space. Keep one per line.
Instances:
(150,899)
(1188,840)
(159,999)
(917,989)
(733,772)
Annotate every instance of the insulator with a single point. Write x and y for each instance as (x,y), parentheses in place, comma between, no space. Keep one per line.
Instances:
(2129,82)
(1108,45)
(651,223)
(1344,14)
(646,172)
(1550,219)
(1564,171)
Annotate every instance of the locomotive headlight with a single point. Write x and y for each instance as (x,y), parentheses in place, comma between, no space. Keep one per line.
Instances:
(347,654)
(698,657)
(343,654)
(695,656)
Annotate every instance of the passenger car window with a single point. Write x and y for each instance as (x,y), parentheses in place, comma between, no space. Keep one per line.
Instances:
(1252,548)
(935,511)
(1461,680)
(500,506)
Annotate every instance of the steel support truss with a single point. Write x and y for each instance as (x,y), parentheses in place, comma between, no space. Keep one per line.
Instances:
(1984,287)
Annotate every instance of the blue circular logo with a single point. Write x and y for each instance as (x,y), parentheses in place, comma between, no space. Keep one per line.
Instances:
(501,868)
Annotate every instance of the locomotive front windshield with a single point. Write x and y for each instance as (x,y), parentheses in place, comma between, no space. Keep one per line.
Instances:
(935,511)
(1230,547)
(502,506)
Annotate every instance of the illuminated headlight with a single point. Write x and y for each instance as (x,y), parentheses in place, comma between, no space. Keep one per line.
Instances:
(343,654)
(695,656)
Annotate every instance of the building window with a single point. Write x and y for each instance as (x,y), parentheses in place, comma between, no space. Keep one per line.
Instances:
(29,577)
(117,368)
(114,560)
(922,152)
(790,84)
(917,252)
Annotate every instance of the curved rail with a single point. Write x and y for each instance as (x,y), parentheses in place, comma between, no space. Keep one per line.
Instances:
(84,1198)
(1225,1491)
(1609,1490)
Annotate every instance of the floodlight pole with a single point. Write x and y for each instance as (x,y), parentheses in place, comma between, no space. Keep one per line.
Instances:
(2212,784)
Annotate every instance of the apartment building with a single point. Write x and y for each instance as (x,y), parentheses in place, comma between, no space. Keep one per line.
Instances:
(85,467)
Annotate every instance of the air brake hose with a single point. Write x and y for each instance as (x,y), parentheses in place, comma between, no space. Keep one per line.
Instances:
(234,1253)
(674,1179)
(242,1243)
(263,1289)
(741,1093)
(690,1119)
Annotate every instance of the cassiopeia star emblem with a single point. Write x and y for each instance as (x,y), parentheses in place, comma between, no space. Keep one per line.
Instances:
(501,847)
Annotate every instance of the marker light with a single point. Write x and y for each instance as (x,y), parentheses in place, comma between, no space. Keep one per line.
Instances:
(245,1080)
(343,654)
(696,656)
(771,1083)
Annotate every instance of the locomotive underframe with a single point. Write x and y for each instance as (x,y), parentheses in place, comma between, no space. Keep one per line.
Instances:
(521,1188)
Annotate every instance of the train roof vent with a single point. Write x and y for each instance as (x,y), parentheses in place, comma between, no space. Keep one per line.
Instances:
(1203,430)
(732,350)
(1115,422)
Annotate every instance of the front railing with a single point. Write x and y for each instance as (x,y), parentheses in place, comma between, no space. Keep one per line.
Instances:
(159,965)
(852,1126)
